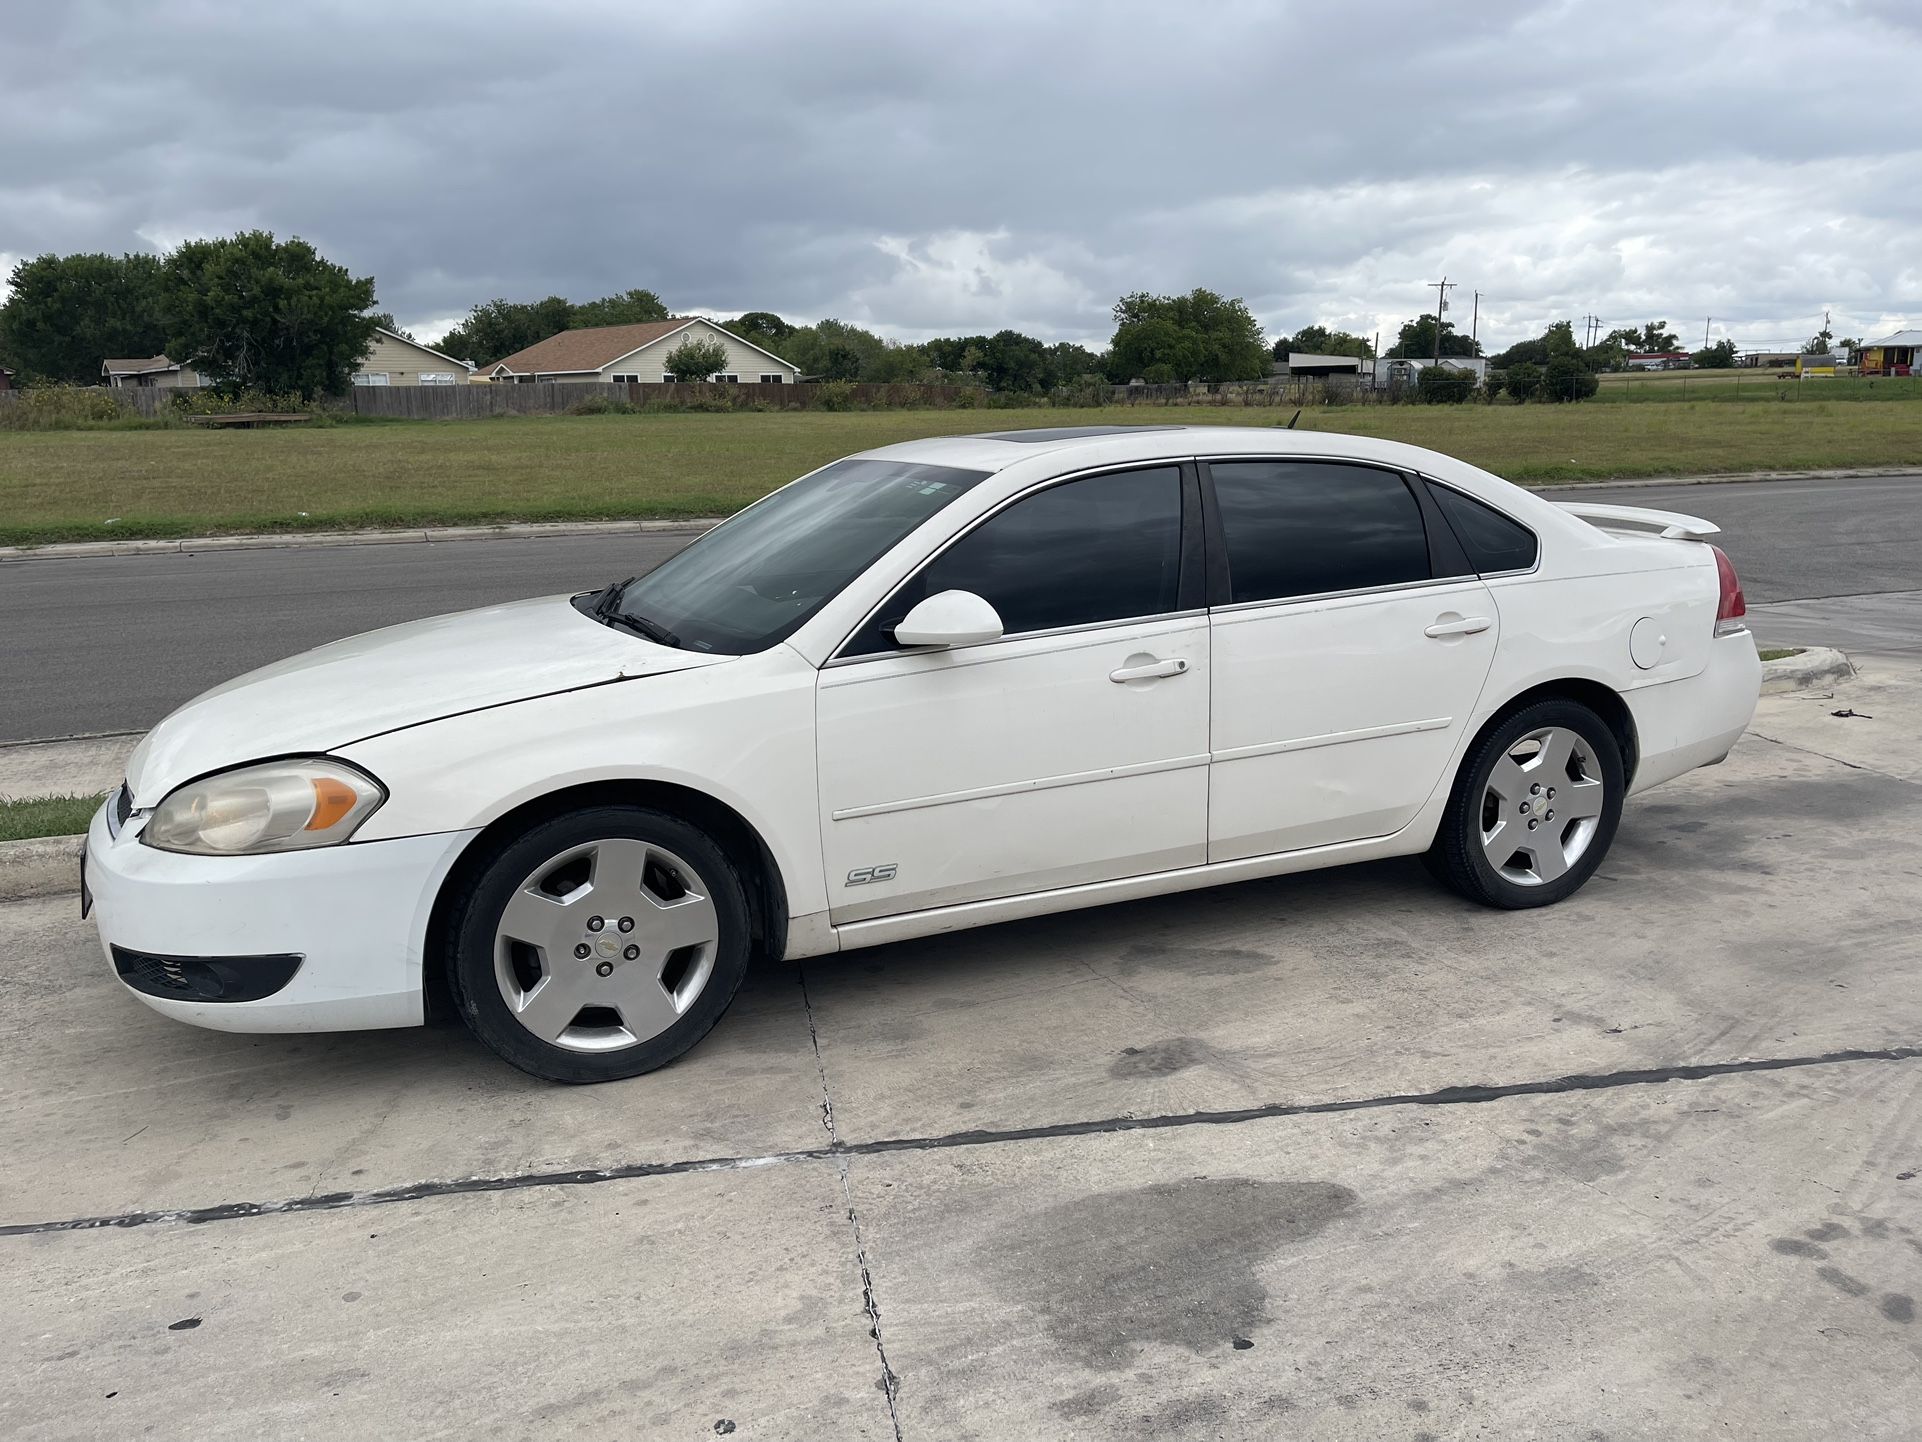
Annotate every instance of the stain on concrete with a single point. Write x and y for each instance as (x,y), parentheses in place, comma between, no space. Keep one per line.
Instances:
(1898,1307)
(1160,1058)
(1796,1247)
(1842,1281)
(1174,1263)
(1185,1416)
(1827,1232)
(1089,1402)
(1196,960)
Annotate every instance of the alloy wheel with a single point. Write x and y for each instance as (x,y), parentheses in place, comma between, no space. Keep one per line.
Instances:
(1542,806)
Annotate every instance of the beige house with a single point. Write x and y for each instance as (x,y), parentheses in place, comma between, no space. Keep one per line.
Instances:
(394,360)
(153,371)
(638,353)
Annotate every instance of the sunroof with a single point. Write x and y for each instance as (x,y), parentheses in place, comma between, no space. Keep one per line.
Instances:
(1067,433)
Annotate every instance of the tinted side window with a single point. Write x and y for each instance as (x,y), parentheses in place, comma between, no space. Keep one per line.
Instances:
(1493,542)
(1299,528)
(1102,549)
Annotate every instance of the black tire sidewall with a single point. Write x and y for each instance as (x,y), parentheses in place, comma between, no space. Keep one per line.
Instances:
(478,998)
(1465,814)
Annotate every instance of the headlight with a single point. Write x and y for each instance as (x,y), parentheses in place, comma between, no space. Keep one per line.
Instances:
(276,806)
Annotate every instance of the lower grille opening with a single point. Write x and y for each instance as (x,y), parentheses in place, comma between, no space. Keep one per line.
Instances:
(205,978)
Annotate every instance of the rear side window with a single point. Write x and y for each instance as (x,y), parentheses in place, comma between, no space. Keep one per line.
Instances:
(1107,548)
(1302,528)
(1493,542)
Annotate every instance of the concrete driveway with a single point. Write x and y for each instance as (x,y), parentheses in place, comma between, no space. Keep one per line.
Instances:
(1333,1155)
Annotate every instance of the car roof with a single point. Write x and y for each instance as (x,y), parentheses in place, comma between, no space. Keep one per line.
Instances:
(1067,447)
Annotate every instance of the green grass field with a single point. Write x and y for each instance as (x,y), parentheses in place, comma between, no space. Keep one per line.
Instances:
(1746,386)
(46,816)
(90,485)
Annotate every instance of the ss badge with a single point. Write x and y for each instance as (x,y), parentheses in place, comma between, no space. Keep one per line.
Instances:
(862,875)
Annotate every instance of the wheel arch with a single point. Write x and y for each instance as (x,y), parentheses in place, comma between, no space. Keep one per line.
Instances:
(732,832)
(1604,700)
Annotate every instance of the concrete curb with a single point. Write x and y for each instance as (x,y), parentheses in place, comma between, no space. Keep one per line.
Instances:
(301,540)
(44,866)
(1816,666)
(520,530)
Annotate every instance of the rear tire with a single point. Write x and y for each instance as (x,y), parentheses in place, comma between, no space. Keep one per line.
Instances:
(599,944)
(1534,808)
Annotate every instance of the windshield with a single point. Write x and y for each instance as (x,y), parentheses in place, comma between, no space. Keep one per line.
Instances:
(753,579)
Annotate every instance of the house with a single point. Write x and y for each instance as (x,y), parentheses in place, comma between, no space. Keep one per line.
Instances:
(638,353)
(1405,370)
(394,360)
(1893,355)
(153,371)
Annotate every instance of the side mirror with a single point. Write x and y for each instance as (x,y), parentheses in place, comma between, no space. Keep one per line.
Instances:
(949,618)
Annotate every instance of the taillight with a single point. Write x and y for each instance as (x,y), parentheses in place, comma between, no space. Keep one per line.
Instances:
(1732,607)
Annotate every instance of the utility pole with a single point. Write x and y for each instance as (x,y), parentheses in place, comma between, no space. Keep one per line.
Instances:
(1705,325)
(1442,287)
(1475,321)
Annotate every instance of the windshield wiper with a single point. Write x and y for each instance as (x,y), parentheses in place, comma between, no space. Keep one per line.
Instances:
(607,610)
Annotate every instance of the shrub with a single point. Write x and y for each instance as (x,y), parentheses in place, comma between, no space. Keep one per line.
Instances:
(1565,378)
(834,396)
(1524,378)
(600,406)
(60,408)
(1443,385)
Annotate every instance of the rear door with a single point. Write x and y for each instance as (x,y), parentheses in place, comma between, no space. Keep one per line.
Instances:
(1349,644)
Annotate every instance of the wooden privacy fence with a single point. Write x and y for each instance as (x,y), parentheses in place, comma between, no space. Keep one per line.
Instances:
(556,397)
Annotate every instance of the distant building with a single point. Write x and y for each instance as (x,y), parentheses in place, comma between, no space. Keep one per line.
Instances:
(1405,370)
(394,360)
(152,371)
(1659,360)
(6,379)
(1893,355)
(1300,365)
(638,353)
(1768,359)
(1817,364)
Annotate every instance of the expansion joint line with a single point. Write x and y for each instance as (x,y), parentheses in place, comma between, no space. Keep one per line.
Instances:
(890,1384)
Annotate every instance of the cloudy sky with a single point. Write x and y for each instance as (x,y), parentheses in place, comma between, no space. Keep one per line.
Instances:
(926,169)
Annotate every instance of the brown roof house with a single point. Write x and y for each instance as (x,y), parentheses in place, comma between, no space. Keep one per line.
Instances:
(153,371)
(638,353)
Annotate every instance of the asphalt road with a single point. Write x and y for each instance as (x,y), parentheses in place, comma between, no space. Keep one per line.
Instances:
(113,644)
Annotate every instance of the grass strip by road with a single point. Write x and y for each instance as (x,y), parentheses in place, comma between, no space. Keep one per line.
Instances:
(38,816)
(104,485)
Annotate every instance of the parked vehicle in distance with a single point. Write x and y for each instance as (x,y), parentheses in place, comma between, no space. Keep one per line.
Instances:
(928,687)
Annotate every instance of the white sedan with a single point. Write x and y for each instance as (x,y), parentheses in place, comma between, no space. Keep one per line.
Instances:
(928,687)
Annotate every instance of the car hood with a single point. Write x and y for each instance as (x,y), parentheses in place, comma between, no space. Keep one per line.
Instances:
(386,680)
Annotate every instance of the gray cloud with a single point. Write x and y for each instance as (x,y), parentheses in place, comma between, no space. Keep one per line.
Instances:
(940,169)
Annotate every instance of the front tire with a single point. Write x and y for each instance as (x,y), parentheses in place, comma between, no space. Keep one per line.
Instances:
(1534,809)
(600,944)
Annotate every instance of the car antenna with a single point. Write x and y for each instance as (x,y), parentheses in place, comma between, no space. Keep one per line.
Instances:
(1292,419)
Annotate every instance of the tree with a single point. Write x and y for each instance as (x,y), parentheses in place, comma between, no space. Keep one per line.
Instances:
(839,362)
(498,328)
(385,320)
(695,359)
(1657,338)
(67,313)
(1068,362)
(1199,336)
(630,307)
(1818,344)
(1417,339)
(1523,352)
(1718,357)
(761,327)
(1319,340)
(266,314)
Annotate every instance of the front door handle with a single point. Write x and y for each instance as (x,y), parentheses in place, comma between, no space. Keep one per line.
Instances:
(1460,626)
(1148,671)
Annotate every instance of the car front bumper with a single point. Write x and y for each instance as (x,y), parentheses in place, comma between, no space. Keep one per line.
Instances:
(355,916)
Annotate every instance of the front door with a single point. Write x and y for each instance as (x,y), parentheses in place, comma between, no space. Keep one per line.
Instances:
(1347,659)
(1072,750)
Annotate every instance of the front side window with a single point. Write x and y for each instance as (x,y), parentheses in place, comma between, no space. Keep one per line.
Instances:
(667,378)
(1305,528)
(772,378)
(753,579)
(1107,548)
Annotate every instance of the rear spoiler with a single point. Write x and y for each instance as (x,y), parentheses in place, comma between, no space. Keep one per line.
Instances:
(1670,524)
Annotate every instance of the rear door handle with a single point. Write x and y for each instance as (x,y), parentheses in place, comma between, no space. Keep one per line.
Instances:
(1461,626)
(1148,671)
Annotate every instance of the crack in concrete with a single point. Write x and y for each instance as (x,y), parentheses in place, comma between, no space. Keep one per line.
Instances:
(838,1151)
(890,1383)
